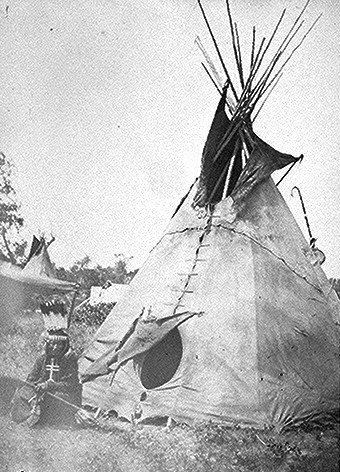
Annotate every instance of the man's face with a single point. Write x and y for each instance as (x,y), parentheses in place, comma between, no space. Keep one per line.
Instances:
(55,348)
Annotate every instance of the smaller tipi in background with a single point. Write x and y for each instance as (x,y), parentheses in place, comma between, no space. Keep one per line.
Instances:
(20,287)
(38,262)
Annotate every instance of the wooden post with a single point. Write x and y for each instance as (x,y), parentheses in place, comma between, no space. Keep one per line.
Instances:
(73,302)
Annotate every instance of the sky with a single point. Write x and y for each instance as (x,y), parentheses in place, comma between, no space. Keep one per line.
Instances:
(105,108)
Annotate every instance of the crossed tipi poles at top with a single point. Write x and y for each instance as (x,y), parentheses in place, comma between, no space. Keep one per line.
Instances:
(245,94)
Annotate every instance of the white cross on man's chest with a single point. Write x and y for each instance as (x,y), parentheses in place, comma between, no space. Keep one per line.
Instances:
(51,368)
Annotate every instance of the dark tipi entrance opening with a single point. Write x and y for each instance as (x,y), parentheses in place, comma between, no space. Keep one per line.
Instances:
(161,361)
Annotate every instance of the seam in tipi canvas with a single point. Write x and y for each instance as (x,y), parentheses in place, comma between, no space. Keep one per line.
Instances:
(186,285)
(271,252)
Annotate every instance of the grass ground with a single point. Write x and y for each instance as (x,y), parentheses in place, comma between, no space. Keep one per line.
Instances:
(204,447)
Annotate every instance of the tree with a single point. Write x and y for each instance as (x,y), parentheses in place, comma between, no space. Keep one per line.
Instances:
(88,274)
(12,246)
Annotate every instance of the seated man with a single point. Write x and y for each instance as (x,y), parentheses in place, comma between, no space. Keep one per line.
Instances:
(52,392)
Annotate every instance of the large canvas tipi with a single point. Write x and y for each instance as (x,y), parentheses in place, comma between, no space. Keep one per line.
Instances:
(231,318)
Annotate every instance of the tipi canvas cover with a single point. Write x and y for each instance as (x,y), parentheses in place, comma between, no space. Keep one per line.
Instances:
(248,323)
(231,318)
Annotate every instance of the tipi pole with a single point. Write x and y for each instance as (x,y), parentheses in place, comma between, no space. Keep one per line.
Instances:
(286,173)
(253,43)
(294,50)
(226,139)
(259,58)
(229,174)
(262,85)
(247,87)
(293,26)
(236,149)
(217,49)
(236,50)
(268,95)
(211,78)
(213,69)
(238,45)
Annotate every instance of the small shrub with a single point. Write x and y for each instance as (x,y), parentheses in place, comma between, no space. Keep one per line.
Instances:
(93,315)
(81,336)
